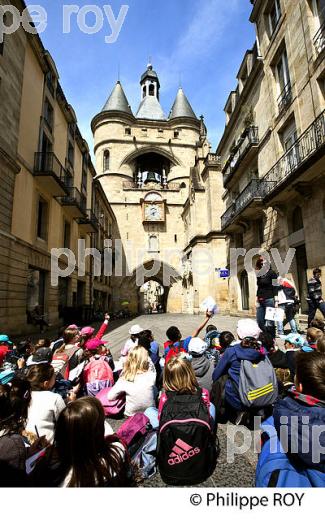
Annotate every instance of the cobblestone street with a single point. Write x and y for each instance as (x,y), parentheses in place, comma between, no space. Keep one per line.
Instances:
(238,473)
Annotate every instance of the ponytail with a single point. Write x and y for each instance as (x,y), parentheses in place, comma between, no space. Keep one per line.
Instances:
(251,343)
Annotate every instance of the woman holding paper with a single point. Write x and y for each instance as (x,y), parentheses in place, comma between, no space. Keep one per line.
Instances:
(267,295)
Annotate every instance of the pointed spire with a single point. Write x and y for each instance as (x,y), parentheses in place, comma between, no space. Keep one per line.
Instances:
(181,107)
(117,101)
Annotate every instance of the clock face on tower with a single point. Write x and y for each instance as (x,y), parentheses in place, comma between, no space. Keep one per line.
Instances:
(153,212)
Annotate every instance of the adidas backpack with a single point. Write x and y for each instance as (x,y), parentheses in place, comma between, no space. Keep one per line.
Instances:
(275,469)
(187,452)
(258,386)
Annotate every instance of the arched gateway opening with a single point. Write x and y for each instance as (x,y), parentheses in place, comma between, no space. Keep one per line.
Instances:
(152,298)
(153,283)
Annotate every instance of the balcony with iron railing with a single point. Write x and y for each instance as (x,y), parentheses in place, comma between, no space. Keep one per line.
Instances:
(50,173)
(307,149)
(245,204)
(89,222)
(242,154)
(319,40)
(285,98)
(74,202)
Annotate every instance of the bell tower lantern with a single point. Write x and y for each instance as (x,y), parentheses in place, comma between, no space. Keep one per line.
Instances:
(150,85)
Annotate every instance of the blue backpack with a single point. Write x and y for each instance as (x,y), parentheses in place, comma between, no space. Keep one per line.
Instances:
(276,470)
(6,376)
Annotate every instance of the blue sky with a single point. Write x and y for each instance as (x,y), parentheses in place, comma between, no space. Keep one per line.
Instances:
(198,42)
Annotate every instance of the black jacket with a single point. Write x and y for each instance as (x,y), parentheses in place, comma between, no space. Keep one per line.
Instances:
(265,287)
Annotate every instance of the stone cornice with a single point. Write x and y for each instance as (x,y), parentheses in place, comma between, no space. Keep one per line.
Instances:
(203,239)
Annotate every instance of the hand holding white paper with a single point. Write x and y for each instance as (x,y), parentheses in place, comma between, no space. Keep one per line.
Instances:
(209,305)
(274,314)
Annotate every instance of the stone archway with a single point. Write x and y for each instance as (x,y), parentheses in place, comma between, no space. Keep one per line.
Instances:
(166,276)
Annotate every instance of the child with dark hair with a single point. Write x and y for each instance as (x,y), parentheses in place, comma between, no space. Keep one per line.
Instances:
(176,344)
(45,406)
(304,410)
(226,339)
(153,345)
(14,402)
(82,456)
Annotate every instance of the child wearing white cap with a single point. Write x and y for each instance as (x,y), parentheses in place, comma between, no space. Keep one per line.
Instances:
(202,366)
(133,339)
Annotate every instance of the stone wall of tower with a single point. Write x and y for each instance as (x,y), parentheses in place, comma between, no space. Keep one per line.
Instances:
(192,200)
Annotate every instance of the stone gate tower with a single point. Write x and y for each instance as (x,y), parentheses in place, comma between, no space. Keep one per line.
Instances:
(165,189)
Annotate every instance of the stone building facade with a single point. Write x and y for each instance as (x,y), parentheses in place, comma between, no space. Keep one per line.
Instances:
(272,149)
(162,183)
(47,192)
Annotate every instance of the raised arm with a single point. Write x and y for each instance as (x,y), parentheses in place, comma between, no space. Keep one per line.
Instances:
(208,316)
(103,327)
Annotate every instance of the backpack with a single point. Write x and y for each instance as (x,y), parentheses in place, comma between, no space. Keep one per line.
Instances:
(140,438)
(275,469)
(92,389)
(111,408)
(133,428)
(6,376)
(61,362)
(146,455)
(212,339)
(174,350)
(187,452)
(289,292)
(258,385)
(97,369)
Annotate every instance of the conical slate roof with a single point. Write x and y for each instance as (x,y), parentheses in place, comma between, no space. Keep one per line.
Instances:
(117,100)
(181,107)
(150,108)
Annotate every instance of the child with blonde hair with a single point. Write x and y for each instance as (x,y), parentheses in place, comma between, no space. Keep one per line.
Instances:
(179,377)
(187,446)
(137,383)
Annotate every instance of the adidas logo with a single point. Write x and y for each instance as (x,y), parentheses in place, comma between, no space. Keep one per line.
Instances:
(181,452)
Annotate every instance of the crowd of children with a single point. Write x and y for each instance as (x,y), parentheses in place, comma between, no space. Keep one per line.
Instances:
(56,400)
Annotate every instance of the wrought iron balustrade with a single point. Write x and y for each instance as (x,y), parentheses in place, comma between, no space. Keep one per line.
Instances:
(249,139)
(303,148)
(46,163)
(285,97)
